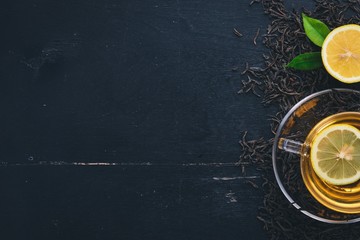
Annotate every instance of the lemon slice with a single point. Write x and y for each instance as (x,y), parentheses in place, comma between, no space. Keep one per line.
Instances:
(340,53)
(335,154)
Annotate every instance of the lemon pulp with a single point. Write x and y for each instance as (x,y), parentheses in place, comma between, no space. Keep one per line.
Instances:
(341,53)
(335,154)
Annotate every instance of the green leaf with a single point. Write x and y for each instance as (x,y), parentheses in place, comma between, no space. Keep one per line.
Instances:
(315,30)
(306,61)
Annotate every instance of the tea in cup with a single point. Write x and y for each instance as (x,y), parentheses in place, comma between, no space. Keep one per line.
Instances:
(316,156)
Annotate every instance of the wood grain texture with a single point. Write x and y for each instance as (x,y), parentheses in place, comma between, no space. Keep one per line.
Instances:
(121,119)
(127,203)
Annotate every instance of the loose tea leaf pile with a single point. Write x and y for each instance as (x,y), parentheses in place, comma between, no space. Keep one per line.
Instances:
(283,87)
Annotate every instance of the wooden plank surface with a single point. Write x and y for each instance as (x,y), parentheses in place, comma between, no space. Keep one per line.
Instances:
(121,119)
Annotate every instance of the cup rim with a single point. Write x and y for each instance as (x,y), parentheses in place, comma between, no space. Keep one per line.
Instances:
(274,161)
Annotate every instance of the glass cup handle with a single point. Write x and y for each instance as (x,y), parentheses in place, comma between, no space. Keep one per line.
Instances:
(290,145)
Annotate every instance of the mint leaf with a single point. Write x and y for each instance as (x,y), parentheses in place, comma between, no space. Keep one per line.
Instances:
(306,61)
(315,30)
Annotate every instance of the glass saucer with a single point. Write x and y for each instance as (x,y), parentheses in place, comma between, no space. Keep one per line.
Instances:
(296,125)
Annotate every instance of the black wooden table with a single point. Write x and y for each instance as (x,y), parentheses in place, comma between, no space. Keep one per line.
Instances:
(121,119)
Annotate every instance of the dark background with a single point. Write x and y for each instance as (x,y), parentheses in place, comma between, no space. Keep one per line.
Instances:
(121,119)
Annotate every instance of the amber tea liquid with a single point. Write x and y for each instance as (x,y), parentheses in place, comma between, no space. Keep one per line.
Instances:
(344,198)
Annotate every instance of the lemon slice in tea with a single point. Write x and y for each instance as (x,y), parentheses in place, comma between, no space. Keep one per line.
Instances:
(340,53)
(335,154)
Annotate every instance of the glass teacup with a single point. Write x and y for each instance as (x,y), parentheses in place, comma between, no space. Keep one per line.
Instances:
(293,171)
